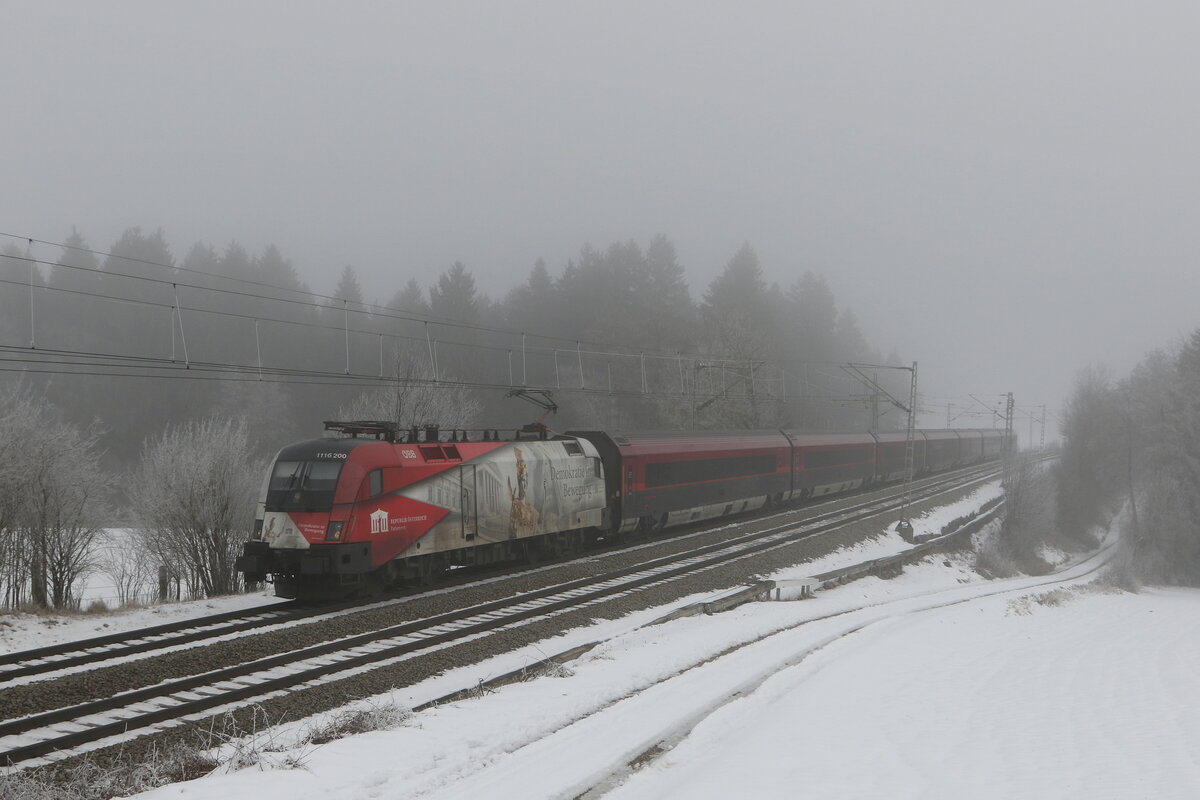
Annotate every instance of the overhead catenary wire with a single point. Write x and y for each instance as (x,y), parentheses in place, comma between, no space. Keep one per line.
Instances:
(322,302)
(316,300)
(77,363)
(32,327)
(310,301)
(609,351)
(176,309)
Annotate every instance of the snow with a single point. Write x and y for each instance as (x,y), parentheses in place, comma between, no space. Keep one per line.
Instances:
(936,683)
(1089,700)
(21,631)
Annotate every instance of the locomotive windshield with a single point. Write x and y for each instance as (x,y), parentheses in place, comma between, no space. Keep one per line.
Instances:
(302,485)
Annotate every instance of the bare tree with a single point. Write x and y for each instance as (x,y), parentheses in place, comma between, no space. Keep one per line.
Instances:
(1030,515)
(415,398)
(194,494)
(64,510)
(1090,464)
(18,422)
(1138,441)
(127,563)
(51,500)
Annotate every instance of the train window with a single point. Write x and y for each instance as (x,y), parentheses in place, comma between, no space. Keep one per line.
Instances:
(286,473)
(573,448)
(817,459)
(708,469)
(302,485)
(375,479)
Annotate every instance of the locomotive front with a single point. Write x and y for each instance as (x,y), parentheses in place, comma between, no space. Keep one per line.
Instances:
(339,516)
(301,530)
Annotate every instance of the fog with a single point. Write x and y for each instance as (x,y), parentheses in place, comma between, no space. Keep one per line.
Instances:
(1002,192)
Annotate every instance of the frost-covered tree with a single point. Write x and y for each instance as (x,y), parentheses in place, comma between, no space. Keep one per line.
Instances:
(193,495)
(1137,442)
(18,421)
(1089,467)
(64,512)
(129,567)
(52,501)
(414,398)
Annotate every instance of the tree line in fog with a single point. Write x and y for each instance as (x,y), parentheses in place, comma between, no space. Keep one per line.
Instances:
(1133,444)
(615,332)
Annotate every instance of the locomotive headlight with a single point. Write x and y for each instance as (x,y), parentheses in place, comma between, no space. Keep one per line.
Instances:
(334,532)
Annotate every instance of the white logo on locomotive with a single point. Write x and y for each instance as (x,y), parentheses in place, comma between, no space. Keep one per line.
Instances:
(379,521)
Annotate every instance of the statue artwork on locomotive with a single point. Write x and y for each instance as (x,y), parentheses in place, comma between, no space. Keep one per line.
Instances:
(519,490)
(522,517)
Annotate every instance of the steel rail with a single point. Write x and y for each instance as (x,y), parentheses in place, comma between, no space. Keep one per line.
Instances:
(98,719)
(114,645)
(99,649)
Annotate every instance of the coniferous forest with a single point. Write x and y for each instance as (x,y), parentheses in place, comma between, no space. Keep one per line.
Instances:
(131,336)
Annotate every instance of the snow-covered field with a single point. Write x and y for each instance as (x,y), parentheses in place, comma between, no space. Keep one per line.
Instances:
(933,684)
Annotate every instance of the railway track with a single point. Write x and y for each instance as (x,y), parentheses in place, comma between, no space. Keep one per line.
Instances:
(96,651)
(88,652)
(55,733)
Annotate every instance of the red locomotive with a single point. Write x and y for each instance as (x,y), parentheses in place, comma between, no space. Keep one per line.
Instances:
(383,506)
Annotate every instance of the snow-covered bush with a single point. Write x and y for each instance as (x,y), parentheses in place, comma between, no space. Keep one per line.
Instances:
(193,494)
(52,501)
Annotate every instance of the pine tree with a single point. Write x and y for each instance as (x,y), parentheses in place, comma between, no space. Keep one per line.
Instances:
(21,287)
(453,297)
(77,268)
(410,299)
(348,289)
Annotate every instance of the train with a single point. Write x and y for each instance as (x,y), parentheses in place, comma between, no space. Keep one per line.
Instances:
(376,505)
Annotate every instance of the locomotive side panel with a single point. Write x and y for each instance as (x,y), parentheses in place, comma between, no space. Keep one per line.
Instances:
(521,489)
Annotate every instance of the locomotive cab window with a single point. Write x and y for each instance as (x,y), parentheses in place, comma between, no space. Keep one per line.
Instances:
(302,485)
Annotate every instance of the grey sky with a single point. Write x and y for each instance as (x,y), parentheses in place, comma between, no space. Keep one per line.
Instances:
(1003,191)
